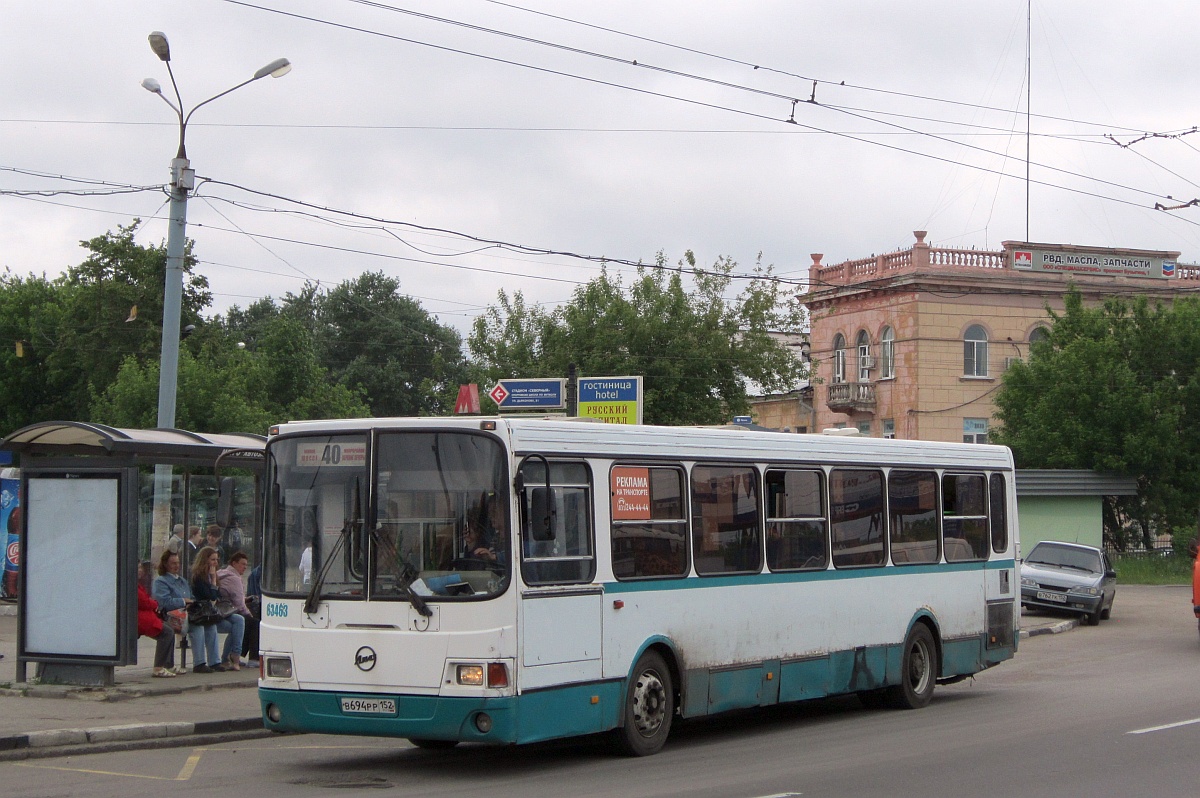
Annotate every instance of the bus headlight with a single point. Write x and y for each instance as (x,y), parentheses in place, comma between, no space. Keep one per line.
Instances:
(491,674)
(470,675)
(279,667)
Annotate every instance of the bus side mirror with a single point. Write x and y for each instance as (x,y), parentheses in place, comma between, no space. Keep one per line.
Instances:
(541,514)
(225,503)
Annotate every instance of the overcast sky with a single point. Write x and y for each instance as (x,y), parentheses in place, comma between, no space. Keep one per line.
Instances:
(517,126)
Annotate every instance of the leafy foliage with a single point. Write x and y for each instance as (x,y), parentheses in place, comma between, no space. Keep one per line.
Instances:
(1114,388)
(697,350)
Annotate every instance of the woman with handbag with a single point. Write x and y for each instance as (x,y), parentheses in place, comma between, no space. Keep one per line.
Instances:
(205,588)
(151,625)
(171,591)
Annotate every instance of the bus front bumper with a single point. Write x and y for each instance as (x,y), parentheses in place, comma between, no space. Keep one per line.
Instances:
(484,720)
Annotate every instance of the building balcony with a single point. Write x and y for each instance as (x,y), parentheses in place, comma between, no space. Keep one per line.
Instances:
(846,397)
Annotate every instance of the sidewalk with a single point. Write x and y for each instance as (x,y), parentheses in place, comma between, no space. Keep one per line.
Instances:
(139,711)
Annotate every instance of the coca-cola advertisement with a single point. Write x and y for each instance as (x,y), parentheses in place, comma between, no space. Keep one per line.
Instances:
(10,530)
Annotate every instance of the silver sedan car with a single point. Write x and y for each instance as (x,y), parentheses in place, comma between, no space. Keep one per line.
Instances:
(1069,577)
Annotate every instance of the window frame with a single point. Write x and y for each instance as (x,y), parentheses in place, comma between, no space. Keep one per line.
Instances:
(975,351)
(887,354)
(893,531)
(695,514)
(984,497)
(862,344)
(682,521)
(839,359)
(529,563)
(881,514)
(769,519)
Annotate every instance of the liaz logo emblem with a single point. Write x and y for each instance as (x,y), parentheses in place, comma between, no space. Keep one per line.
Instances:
(364,658)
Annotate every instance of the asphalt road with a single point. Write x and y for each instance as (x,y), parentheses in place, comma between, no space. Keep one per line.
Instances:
(1112,710)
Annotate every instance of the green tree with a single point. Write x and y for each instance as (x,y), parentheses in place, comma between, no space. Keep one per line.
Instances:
(30,310)
(1114,388)
(78,329)
(374,339)
(698,351)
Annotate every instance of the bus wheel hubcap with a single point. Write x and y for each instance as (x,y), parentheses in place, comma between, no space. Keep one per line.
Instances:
(918,667)
(649,703)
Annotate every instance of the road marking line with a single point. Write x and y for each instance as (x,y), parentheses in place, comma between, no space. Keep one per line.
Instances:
(781,795)
(1165,726)
(93,772)
(185,774)
(189,766)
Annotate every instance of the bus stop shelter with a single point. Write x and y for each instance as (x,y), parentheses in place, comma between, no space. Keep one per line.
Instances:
(91,510)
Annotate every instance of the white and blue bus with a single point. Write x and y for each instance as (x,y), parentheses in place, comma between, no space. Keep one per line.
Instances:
(513,580)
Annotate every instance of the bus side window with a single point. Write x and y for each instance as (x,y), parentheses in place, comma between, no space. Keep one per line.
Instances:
(964,517)
(797,534)
(649,528)
(556,524)
(999,515)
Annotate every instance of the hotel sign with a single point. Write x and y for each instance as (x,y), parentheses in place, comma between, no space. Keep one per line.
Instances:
(1092,262)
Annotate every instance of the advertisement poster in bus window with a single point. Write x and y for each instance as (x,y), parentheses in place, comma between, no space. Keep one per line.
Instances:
(630,489)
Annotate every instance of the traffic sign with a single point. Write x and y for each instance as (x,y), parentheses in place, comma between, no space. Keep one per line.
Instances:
(533,394)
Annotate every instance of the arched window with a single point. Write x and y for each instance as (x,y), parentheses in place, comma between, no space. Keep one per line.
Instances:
(887,354)
(863,344)
(839,358)
(1038,334)
(975,352)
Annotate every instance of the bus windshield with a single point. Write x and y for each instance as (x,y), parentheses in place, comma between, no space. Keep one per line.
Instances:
(438,527)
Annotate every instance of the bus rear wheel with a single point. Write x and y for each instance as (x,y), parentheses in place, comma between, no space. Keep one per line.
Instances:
(918,671)
(649,707)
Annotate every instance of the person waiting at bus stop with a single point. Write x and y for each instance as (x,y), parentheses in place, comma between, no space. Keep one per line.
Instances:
(229,582)
(171,591)
(151,625)
(204,586)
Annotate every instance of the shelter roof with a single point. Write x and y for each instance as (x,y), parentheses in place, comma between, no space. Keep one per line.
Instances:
(175,446)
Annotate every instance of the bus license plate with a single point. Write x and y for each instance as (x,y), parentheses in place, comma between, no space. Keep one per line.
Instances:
(1057,598)
(369,706)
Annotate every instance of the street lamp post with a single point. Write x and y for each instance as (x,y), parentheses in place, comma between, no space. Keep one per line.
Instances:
(183,180)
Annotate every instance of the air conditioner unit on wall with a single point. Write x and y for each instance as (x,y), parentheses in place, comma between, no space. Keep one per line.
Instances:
(1010,361)
(866,362)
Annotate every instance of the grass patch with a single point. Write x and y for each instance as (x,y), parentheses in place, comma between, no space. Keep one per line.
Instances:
(1152,569)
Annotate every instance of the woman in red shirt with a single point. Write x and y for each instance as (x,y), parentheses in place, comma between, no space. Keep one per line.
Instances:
(150,625)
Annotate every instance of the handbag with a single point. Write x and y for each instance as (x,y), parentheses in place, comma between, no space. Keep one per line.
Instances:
(225,607)
(203,612)
(176,619)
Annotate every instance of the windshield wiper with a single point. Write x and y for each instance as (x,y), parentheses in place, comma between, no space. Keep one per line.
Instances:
(407,576)
(406,579)
(313,599)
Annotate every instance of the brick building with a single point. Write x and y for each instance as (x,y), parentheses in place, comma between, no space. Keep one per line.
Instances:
(912,344)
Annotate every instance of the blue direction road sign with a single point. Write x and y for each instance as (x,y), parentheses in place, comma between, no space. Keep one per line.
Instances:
(540,394)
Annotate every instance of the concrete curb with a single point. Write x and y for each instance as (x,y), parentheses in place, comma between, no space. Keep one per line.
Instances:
(1054,629)
(116,692)
(132,736)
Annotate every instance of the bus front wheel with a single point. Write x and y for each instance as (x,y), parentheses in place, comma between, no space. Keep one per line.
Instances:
(649,707)
(918,671)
